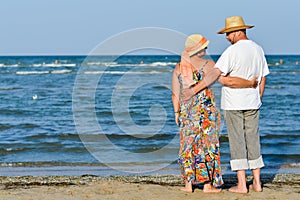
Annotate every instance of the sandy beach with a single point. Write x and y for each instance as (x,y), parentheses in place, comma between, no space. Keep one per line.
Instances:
(280,186)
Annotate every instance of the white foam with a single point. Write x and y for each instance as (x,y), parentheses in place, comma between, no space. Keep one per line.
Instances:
(59,65)
(115,64)
(32,72)
(295,164)
(61,71)
(54,65)
(101,63)
(35,97)
(162,64)
(15,65)
(120,72)
(275,87)
(4,65)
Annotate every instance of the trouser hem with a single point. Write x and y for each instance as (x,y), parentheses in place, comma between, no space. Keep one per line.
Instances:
(244,164)
(239,164)
(257,163)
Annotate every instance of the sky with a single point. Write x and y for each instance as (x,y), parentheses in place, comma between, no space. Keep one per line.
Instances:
(76,27)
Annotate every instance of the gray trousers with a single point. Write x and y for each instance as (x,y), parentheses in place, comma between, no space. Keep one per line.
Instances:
(244,140)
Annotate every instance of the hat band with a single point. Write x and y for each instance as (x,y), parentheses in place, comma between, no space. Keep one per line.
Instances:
(196,46)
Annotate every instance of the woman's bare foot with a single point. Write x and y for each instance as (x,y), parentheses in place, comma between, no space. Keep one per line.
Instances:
(240,190)
(188,188)
(255,187)
(208,188)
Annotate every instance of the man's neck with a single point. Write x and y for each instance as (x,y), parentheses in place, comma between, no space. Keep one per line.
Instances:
(242,37)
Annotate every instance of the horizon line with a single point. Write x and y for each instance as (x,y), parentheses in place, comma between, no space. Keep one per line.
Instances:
(24,55)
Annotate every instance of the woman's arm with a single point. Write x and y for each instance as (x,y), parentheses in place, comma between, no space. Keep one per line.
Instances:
(236,82)
(176,93)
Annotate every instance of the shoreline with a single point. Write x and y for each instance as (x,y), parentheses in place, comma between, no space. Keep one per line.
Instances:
(275,186)
(171,180)
(127,169)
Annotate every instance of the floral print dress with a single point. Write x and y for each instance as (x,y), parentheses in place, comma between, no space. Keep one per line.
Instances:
(199,154)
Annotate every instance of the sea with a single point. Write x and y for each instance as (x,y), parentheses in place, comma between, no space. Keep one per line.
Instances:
(113,115)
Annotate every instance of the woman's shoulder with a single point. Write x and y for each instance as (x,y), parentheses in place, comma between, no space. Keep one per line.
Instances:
(209,63)
(177,68)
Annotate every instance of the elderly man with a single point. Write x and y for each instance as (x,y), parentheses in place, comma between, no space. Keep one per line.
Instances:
(244,59)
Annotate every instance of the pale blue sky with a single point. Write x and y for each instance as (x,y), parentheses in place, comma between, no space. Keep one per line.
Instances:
(67,27)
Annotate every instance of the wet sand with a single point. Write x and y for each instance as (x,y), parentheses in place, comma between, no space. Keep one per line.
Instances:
(279,186)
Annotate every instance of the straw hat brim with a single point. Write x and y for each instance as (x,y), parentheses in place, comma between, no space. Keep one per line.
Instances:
(191,53)
(235,28)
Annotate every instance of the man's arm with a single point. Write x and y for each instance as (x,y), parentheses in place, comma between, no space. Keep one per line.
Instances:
(236,82)
(262,86)
(208,79)
(212,76)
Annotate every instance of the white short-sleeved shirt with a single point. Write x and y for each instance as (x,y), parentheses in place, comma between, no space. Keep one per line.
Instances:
(244,59)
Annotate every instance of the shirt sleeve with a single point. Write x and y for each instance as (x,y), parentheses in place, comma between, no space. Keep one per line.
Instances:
(223,63)
(265,69)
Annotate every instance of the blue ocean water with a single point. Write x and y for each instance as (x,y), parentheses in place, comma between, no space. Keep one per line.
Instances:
(107,115)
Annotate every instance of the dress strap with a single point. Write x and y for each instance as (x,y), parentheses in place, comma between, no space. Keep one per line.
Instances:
(179,70)
(205,63)
(202,68)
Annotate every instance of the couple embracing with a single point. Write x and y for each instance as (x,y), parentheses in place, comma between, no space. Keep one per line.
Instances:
(241,69)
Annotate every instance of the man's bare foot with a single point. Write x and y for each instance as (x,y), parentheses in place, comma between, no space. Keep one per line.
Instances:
(255,187)
(208,188)
(239,190)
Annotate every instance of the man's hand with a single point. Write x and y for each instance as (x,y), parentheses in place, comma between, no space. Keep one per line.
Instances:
(187,94)
(254,82)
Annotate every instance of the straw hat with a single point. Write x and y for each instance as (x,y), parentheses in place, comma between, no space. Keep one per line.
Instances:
(194,43)
(234,23)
